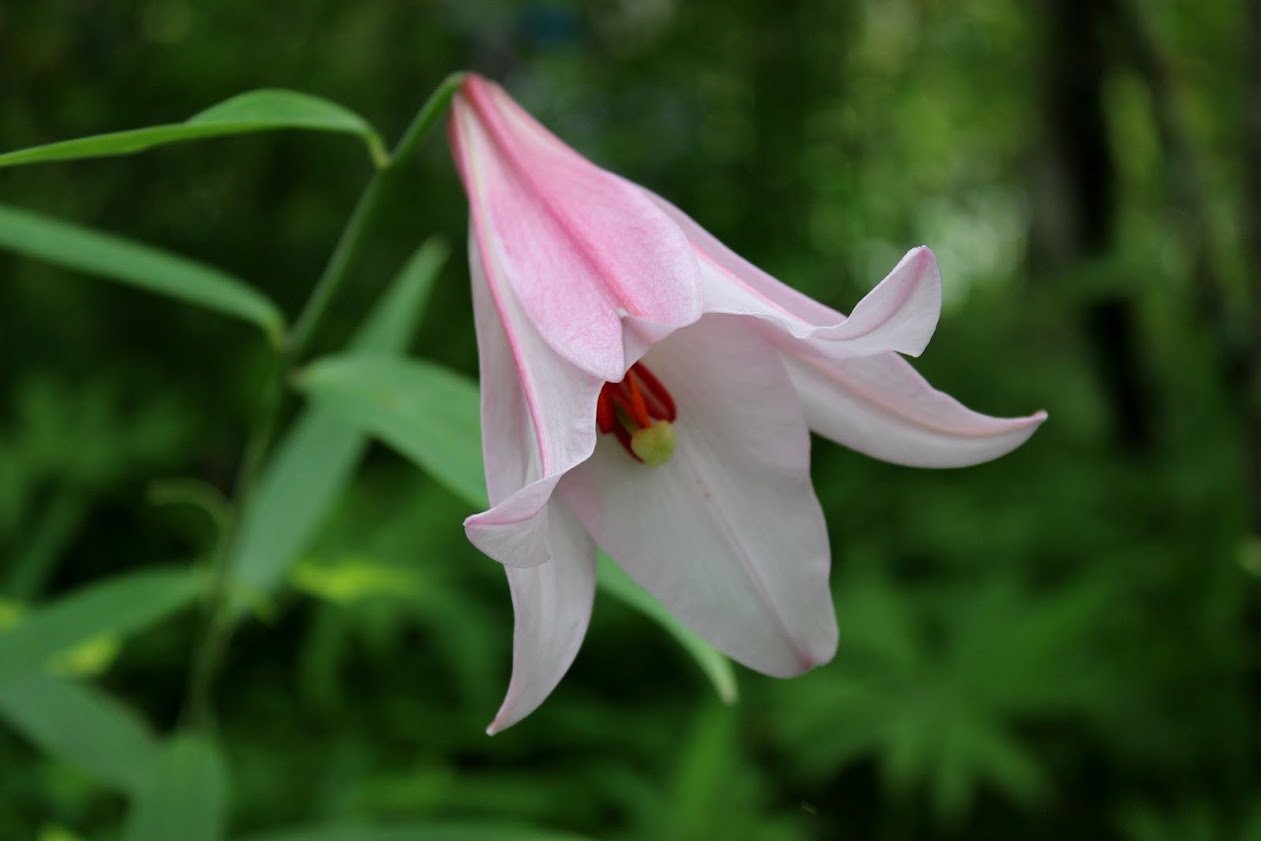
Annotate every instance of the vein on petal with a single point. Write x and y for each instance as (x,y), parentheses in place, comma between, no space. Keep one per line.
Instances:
(582,246)
(1001,425)
(748,565)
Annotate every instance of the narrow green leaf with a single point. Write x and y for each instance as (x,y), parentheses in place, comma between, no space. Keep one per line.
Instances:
(135,264)
(118,605)
(253,111)
(391,325)
(81,726)
(613,580)
(183,796)
(424,411)
(316,458)
(446,831)
(430,415)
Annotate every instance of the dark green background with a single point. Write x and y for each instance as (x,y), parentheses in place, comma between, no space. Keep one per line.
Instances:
(1061,644)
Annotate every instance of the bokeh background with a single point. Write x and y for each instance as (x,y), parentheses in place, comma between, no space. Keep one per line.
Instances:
(1061,644)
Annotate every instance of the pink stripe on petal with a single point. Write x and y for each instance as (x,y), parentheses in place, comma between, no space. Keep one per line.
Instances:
(581,248)
(879,405)
(538,421)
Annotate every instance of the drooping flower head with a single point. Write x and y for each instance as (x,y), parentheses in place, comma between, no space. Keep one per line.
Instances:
(647,391)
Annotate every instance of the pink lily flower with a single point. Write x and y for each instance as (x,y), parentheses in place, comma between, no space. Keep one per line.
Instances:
(646,390)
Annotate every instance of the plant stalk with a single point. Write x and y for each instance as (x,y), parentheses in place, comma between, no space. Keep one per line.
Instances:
(208,658)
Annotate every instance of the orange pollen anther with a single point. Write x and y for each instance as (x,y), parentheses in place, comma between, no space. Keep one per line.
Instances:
(636,403)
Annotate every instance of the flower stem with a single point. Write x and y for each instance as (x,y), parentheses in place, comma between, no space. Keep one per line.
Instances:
(365,211)
(218,630)
(220,624)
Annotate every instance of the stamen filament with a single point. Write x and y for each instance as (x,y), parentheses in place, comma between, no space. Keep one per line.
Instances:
(657,391)
(639,411)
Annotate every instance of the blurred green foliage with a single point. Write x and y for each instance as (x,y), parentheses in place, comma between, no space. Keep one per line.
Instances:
(1060,644)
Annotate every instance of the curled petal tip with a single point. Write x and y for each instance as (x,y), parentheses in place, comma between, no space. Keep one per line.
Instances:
(512,544)
(1029,422)
(822,654)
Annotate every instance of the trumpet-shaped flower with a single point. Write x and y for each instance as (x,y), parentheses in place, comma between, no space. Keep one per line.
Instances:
(647,391)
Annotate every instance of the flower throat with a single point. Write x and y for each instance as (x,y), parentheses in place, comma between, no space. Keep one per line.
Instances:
(640,413)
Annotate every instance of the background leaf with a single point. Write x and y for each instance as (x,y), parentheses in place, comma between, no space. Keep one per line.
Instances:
(445,831)
(81,726)
(819,141)
(267,109)
(118,605)
(319,452)
(426,412)
(135,264)
(184,795)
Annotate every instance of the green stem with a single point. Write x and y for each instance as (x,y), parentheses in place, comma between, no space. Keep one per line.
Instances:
(218,632)
(433,109)
(351,240)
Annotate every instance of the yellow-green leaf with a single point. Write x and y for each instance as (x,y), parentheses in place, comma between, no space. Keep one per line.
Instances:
(117,605)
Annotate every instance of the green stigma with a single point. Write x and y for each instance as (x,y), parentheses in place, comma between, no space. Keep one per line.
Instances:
(654,444)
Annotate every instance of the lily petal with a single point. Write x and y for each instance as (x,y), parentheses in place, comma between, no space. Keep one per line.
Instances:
(577,273)
(879,405)
(551,607)
(728,534)
(899,314)
(582,248)
(537,422)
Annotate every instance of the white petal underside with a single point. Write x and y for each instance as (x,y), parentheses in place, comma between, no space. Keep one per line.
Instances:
(551,606)
(879,405)
(728,534)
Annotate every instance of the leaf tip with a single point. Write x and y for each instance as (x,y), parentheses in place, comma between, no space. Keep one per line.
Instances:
(376,150)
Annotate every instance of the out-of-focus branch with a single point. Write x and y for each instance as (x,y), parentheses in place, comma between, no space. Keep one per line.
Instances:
(1075,224)
(1252,198)
(1190,210)
(1239,331)
(1252,238)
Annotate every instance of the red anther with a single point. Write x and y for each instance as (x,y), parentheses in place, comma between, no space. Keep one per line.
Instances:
(637,402)
(605,418)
